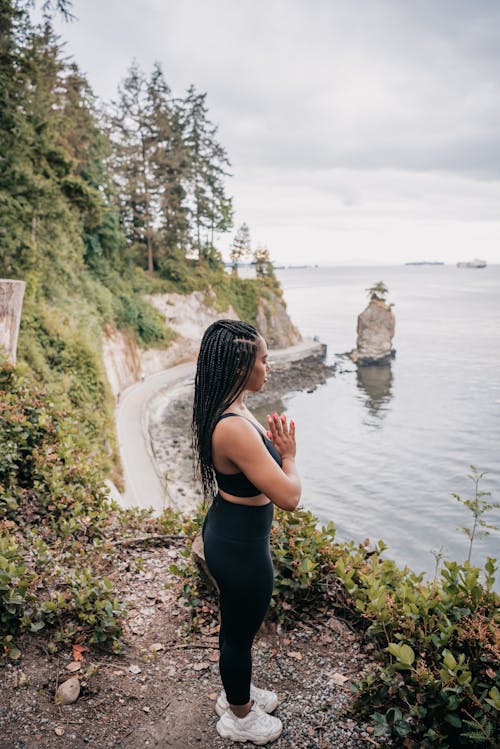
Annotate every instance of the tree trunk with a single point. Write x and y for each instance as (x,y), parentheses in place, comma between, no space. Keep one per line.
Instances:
(11,304)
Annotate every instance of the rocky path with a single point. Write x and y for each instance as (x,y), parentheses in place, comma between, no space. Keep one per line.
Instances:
(161,690)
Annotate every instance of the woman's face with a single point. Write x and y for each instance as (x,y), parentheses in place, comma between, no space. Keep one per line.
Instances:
(261,368)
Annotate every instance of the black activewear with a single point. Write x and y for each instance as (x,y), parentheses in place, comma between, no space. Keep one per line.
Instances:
(236,543)
(237,484)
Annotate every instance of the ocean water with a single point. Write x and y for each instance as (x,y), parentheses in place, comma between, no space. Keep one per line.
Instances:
(381,449)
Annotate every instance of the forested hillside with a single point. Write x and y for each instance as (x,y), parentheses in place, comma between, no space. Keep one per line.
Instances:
(101,204)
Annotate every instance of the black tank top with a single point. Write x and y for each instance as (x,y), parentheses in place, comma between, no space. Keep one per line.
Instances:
(237,484)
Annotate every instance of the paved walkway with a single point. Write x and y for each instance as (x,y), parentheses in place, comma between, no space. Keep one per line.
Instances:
(144,487)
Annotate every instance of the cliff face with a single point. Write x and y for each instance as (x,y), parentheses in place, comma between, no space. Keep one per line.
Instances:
(188,315)
(274,324)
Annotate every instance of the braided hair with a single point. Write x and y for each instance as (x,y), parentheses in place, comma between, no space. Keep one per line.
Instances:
(227,355)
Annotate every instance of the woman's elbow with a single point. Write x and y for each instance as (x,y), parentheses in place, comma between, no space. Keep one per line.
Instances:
(291,501)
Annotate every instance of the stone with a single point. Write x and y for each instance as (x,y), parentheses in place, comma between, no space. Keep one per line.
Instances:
(134,669)
(198,553)
(376,326)
(68,692)
(338,679)
(156,647)
(201,666)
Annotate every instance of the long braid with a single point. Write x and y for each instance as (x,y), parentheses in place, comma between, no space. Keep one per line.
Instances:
(227,355)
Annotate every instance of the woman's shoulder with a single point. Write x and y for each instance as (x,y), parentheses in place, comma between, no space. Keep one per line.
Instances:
(239,427)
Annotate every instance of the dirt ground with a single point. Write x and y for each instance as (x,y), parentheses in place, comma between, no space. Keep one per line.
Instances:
(161,690)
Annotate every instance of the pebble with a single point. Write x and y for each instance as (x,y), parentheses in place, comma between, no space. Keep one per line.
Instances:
(156,647)
(68,691)
(338,679)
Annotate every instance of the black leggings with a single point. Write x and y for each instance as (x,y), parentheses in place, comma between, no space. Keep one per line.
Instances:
(236,542)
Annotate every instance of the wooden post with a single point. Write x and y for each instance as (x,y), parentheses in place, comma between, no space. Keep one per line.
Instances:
(11,304)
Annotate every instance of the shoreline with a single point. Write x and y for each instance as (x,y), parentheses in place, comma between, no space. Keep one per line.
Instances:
(167,417)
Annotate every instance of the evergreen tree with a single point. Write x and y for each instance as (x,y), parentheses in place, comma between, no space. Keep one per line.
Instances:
(15,170)
(51,173)
(134,148)
(210,207)
(91,187)
(33,160)
(170,165)
(240,247)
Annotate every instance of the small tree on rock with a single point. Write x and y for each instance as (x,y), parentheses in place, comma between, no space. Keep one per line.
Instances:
(378,291)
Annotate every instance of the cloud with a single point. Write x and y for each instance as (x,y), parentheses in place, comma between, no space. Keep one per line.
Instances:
(330,110)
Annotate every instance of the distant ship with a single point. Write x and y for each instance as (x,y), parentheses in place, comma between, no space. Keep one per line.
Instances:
(425,262)
(476,263)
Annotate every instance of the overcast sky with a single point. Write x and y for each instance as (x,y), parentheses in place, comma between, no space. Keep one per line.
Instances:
(359,131)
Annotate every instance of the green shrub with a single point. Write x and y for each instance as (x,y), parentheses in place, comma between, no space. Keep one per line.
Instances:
(15,581)
(303,557)
(53,514)
(85,610)
(46,470)
(147,323)
(438,685)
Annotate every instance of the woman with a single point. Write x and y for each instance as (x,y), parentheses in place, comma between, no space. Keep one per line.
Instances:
(249,471)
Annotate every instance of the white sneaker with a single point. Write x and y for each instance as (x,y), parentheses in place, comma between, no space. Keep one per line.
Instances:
(257,726)
(265,699)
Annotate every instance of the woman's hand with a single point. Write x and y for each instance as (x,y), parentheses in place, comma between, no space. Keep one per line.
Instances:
(282,435)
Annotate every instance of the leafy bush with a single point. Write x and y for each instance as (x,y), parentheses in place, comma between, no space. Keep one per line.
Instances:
(46,471)
(148,324)
(84,610)
(303,557)
(15,580)
(438,685)
(53,514)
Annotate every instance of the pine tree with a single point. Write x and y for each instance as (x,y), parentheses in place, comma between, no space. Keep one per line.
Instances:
(170,166)
(240,247)
(91,185)
(17,179)
(51,173)
(210,207)
(134,147)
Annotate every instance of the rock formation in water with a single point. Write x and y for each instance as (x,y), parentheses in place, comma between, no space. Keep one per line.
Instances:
(376,326)
(11,304)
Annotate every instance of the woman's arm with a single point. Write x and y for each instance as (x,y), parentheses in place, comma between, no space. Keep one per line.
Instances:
(238,446)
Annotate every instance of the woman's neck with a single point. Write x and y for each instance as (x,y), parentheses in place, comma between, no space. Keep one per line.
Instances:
(239,403)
